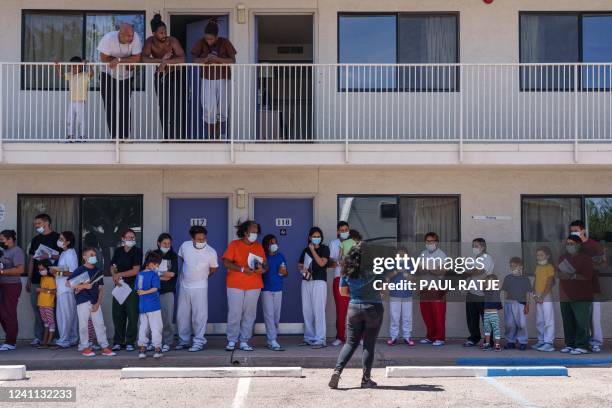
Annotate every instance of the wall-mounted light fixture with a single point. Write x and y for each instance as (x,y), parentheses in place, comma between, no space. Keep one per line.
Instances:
(241,198)
(241,13)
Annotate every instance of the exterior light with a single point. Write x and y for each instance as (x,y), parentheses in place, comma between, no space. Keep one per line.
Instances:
(241,198)
(241,13)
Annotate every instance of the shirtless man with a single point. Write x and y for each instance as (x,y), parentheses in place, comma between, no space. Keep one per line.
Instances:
(162,49)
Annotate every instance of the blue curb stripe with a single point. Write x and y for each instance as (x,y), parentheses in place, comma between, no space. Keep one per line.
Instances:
(525,361)
(528,371)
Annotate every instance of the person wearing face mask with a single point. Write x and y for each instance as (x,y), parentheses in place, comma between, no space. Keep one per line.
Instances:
(433,302)
(66,305)
(575,271)
(474,303)
(593,249)
(272,292)
(341,302)
(125,265)
(48,238)
(168,276)
(245,261)
(542,289)
(313,267)
(200,262)
(12,262)
(516,288)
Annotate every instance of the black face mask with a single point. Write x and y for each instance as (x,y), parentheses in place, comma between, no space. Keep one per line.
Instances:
(2,245)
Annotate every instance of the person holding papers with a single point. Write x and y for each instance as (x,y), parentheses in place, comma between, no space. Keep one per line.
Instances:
(199,263)
(168,269)
(125,265)
(66,306)
(43,246)
(245,261)
(88,287)
(576,273)
(313,267)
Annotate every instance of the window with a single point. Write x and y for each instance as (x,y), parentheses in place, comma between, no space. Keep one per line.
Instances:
(398,38)
(96,221)
(565,38)
(546,219)
(388,219)
(58,35)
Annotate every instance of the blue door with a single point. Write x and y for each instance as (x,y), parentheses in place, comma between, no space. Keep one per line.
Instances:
(213,214)
(289,219)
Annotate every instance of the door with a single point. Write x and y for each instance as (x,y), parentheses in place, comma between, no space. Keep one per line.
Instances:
(289,219)
(213,214)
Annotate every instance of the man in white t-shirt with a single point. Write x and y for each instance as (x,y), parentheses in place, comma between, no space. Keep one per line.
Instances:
(199,263)
(342,302)
(474,303)
(118,48)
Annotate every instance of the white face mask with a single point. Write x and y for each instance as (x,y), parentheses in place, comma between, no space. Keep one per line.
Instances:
(344,235)
(430,247)
(576,234)
(200,245)
(164,250)
(516,272)
(252,237)
(129,244)
(543,262)
(273,248)
(40,230)
(476,251)
(60,244)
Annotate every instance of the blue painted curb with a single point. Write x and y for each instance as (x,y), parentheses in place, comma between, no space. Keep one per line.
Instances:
(527,371)
(525,361)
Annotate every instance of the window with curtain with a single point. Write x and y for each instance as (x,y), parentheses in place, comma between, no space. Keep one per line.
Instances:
(96,221)
(421,214)
(57,35)
(406,38)
(565,38)
(375,217)
(546,219)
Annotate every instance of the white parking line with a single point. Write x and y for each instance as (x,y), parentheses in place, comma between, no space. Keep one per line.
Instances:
(510,393)
(242,390)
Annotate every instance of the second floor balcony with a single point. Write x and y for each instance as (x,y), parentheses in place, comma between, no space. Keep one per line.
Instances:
(306,113)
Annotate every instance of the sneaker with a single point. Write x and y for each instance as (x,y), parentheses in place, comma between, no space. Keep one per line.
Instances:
(368,383)
(485,347)
(35,343)
(7,347)
(391,342)
(318,346)
(158,353)
(129,347)
(426,341)
(150,347)
(108,352)
(195,348)
(546,347)
(116,347)
(165,348)
(522,347)
(244,346)
(180,346)
(305,343)
(410,342)
(566,349)
(142,352)
(498,347)
(437,343)
(509,346)
(88,352)
(578,351)
(95,347)
(334,380)
(595,348)
(231,346)
(537,345)
(337,343)
(274,346)
(469,343)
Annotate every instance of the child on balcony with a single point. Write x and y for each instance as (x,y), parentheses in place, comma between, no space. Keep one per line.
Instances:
(78,84)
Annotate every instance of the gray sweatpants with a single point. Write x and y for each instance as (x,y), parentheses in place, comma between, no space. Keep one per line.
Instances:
(167,312)
(271,305)
(515,322)
(241,314)
(192,315)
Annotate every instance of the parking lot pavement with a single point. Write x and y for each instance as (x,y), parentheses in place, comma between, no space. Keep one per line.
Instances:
(585,387)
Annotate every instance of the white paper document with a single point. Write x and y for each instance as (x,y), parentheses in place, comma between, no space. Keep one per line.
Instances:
(120,293)
(43,249)
(163,266)
(567,267)
(307,261)
(254,259)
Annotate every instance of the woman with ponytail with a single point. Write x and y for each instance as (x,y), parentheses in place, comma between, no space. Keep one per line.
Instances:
(214,52)
(162,49)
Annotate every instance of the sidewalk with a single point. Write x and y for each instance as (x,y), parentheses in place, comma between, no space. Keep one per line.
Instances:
(453,353)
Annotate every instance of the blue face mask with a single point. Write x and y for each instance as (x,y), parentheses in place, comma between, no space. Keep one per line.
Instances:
(316,240)
(92,260)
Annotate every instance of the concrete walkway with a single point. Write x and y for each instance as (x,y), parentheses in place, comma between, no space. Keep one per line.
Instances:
(295,356)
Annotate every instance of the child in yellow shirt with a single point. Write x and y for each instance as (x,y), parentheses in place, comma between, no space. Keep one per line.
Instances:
(46,302)
(545,311)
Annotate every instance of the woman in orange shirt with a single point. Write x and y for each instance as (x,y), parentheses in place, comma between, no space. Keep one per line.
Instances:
(245,261)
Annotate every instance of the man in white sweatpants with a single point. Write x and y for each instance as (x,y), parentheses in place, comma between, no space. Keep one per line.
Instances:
(199,262)
(242,311)
(515,322)
(314,300)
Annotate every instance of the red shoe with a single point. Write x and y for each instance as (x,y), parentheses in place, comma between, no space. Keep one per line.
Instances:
(108,352)
(391,342)
(88,352)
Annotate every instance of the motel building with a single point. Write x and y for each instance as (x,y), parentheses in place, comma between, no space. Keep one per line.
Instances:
(470,118)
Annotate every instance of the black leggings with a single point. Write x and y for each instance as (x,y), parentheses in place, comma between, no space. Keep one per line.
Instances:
(362,321)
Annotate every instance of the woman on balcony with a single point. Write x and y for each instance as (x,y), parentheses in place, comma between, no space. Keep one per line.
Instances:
(216,51)
(169,79)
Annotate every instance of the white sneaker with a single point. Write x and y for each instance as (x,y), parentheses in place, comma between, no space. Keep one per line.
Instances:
(165,348)
(566,349)
(244,346)
(142,354)
(596,348)
(7,347)
(116,347)
(546,348)
(129,347)
(158,354)
(578,351)
(274,346)
(231,346)
(150,347)
(425,341)
(337,343)
(437,343)
(35,343)
(195,348)
(180,346)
